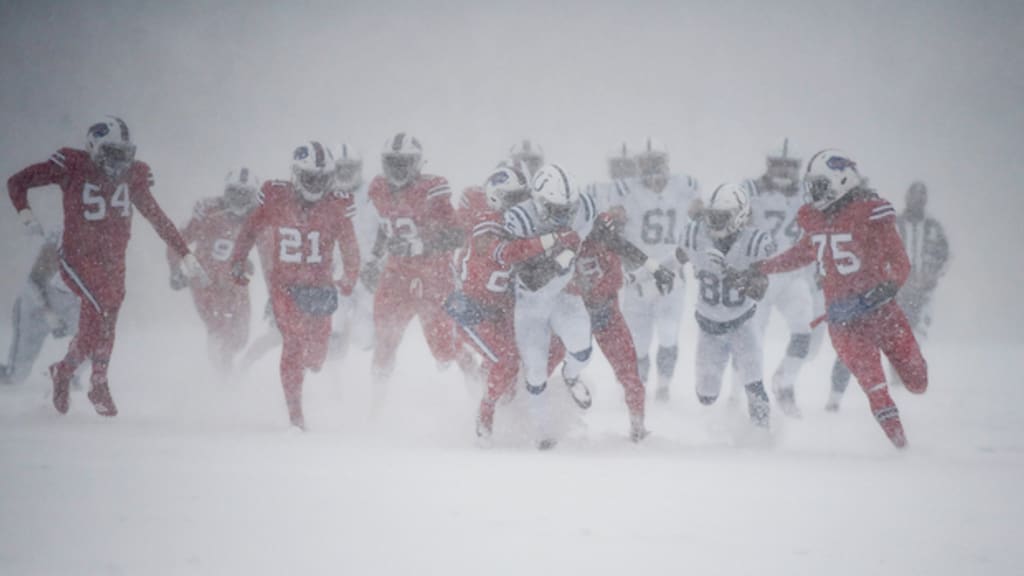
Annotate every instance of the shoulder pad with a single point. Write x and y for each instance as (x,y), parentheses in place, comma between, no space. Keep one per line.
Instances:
(435,186)
(589,206)
(67,157)
(750,185)
(760,244)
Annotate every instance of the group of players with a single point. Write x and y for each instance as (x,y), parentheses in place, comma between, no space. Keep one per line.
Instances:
(512,281)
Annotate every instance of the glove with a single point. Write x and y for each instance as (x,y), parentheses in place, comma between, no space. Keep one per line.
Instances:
(370,275)
(404,247)
(32,226)
(569,239)
(664,279)
(191,268)
(239,275)
(178,280)
(880,294)
(58,327)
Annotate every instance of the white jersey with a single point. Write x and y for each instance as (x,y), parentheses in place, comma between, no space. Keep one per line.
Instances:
(524,221)
(718,301)
(775,212)
(655,220)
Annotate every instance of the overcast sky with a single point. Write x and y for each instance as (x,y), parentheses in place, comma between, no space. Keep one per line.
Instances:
(924,89)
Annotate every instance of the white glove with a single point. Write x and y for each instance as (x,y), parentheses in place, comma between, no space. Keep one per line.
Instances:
(32,226)
(191,268)
(564,258)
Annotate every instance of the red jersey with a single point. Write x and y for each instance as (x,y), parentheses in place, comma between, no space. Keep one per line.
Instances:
(302,236)
(472,205)
(419,212)
(213,229)
(484,276)
(97,209)
(598,273)
(855,244)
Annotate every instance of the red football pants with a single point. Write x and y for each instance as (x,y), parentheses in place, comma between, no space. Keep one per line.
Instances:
(101,296)
(886,330)
(402,294)
(304,346)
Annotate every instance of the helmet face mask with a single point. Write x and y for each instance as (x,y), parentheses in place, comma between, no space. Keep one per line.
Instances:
(784,174)
(110,147)
(830,176)
(313,184)
(348,174)
(554,195)
(312,171)
(653,169)
(727,211)
(819,191)
(239,199)
(718,222)
(401,169)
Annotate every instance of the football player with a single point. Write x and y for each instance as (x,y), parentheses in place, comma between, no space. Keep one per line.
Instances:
(558,216)
(223,306)
(775,199)
(850,232)
(101,187)
(656,204)
(527,156)
(418,233)
(356,313)
(305,221)
(45,307)
(716,243)
(928,250)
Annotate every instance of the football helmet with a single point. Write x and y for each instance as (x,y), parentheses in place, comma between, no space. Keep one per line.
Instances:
(529,155)
(831,174)
(348,168)
(554,194)
(726,210)
(652,165)
(783,171)
(621,164)
(241,191)
(312,170)
(401,159)
(110,146)
(506,187)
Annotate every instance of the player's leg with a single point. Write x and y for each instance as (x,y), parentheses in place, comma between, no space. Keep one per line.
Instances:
(747,355)
(840,380)
(439,328)
(712,357)
(533,338)
(856,348)
(103,346)
(616,343)
(668,317)
(393,309)
(295,339)
(898,343)
(570,321)
(794,303)
(495,342)
(639,314)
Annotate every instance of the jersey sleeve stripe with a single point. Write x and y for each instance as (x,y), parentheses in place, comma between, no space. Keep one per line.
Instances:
(751,250)
(487,228)
(757,248)
(524,220)
(499,254)
(58,160)
(441,190)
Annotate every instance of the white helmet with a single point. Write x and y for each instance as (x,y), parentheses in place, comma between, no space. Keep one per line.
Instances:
(652,165)
(401,159)
(782,171)
(348,168)
(241,191)
(726,210)
(831,174)
(529,155)
(506,187)
(554,194)
(312,170)
(110,145)
(621,164)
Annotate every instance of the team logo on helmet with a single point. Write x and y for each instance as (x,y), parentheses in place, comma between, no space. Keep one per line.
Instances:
(301,153)
(499,177)
(99,130)
(840,163)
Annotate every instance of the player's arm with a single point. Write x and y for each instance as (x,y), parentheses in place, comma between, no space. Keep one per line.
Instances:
(882,232)
(43,270)
(443,233)
(799,255)
(42,174)
(607,233)
(251,229)
(147,205)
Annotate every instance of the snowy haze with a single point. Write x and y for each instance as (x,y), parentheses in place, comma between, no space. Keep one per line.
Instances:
(929,90)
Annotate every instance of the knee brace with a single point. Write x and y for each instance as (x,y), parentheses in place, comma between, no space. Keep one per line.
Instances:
(582,355)
(666,359)
(799,345)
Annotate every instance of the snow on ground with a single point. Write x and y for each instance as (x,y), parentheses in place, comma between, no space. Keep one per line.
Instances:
(201,476)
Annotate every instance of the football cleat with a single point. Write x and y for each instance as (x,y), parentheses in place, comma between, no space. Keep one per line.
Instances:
(61,389)
(579,392)
(101,399)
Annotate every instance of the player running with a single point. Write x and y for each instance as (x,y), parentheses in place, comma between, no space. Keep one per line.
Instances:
(101,186)
(774,200)
(212,230)
(719,241)
(305,221)
(851,233)
(656,205)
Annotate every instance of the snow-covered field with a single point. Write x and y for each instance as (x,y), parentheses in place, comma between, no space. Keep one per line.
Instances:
(200,476)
